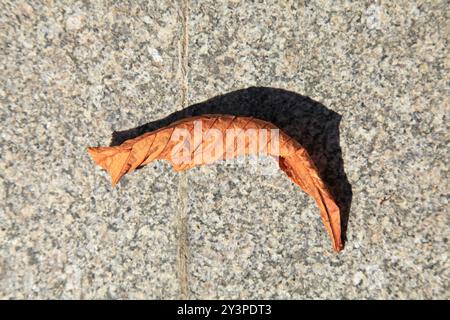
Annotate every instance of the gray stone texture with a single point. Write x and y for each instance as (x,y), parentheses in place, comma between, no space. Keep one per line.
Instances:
(378,74)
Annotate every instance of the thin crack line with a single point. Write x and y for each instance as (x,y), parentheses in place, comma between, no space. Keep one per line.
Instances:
(181,219)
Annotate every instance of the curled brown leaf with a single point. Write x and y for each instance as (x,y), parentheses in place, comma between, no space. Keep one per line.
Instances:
(176,144)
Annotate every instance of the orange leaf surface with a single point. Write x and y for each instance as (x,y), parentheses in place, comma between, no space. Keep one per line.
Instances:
(176,144)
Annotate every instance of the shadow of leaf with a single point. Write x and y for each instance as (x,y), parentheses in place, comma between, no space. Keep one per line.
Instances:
(309,122)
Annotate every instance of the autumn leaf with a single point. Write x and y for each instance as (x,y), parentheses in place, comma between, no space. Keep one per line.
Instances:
(204,139)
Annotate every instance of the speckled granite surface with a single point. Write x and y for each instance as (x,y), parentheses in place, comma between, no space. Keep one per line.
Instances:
(72,72)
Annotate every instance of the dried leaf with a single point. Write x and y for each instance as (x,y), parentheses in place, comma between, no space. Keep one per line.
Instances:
(197,141)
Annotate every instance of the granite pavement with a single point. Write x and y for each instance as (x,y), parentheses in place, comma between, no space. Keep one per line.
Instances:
(377,76)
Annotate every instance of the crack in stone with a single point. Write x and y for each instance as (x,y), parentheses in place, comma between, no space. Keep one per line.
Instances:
(181,219)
